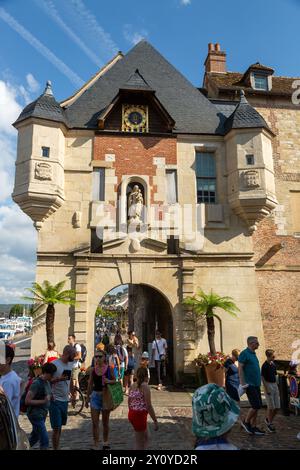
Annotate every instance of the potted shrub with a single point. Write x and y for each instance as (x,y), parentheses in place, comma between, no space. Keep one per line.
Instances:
(200,362)
(204,305)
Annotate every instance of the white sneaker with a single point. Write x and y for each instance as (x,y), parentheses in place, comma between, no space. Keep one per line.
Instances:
(298,436)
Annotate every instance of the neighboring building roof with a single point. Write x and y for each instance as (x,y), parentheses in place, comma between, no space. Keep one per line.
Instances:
(192,112)
(260,67)
(45,107)
(232,81)
(244,116)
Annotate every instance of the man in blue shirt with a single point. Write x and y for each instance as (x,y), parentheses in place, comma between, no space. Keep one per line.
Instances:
(250,379)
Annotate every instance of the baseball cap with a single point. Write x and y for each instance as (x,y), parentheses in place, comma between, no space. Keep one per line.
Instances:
(214,412)
(145,355)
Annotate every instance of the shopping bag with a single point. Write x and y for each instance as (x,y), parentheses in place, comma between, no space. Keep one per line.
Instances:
(114,396)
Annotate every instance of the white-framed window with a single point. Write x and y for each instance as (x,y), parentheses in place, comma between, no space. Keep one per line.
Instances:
(260,82)
(171,179)
(206,177)
(98,184)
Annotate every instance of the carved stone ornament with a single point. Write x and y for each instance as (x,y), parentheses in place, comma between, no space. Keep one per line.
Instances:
(251,179)
(43,171)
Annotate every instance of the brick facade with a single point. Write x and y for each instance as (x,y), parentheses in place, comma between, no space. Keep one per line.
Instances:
(135,155)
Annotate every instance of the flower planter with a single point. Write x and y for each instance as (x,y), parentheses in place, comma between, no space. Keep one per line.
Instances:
(200,376)
(215,374)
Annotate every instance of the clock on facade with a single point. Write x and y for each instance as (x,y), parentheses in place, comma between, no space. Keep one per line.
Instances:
(135,118)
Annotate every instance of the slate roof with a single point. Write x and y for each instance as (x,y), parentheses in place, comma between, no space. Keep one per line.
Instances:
(244,116)
(45,107)
(136,82)
(191,111)
(224,109)
(143,68)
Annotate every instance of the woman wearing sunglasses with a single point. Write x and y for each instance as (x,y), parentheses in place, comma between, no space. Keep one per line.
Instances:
(100,376)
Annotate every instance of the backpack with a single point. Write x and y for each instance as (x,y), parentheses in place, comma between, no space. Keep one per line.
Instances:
(39,396)
(23,407)
(121,354)
(83,353)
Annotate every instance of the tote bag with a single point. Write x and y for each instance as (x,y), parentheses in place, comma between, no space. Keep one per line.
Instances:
(113,396)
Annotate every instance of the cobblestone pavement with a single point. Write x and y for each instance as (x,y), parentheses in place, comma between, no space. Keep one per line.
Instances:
(174,414)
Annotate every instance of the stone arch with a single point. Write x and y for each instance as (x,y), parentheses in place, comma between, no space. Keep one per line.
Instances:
(102,282)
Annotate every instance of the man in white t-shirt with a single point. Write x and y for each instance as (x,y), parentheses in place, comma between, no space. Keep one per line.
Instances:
(76,363)
(10,381)
(62,386)
(159,352)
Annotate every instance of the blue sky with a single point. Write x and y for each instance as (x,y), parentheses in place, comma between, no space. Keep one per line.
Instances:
(67,41)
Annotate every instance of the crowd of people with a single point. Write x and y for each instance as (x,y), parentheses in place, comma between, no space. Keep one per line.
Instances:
(215,409)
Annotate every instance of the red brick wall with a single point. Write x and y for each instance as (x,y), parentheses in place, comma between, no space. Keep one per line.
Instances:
(134,154)
(278,280)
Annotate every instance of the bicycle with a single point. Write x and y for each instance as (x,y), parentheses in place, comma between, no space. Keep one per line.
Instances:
(76,407)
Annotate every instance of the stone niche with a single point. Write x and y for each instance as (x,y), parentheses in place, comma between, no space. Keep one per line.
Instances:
(251,186)
(39,181)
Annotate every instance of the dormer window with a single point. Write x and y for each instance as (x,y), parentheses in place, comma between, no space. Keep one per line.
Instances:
(260,82)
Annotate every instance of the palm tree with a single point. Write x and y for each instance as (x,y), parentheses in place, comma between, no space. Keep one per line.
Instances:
(48,294)
(205,305)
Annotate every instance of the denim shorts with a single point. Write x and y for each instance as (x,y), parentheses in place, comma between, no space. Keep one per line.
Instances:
(96,401)
(58,413)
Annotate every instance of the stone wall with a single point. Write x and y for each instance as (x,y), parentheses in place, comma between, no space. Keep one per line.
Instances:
(277,261)
(277,249)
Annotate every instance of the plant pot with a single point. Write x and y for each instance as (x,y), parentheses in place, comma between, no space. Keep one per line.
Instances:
(200,376)
(215,374)
(37,371)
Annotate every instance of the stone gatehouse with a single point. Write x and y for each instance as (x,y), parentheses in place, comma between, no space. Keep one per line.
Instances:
(208,163)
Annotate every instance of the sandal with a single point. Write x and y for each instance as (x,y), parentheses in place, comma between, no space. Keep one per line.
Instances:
(106,447)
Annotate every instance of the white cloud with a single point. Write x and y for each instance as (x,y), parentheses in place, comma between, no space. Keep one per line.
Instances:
(17,235)
(133,37)
(11,295)
(17,253)
(9,107)
(32,83)
(6,185)
(185,2)
(41,48)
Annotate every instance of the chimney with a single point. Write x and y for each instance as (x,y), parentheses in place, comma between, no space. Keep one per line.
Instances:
(216,59)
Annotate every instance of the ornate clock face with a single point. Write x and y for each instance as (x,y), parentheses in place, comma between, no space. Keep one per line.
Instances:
(135,118)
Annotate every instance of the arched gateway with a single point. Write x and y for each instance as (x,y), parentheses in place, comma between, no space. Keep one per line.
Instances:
(148,310)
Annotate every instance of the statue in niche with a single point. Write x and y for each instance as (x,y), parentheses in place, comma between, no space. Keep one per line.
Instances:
(135,205)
